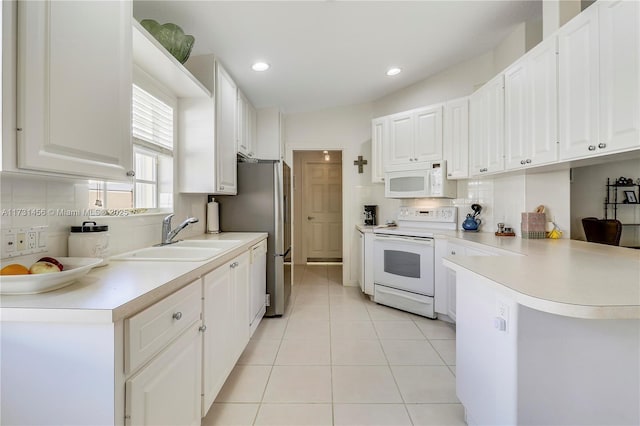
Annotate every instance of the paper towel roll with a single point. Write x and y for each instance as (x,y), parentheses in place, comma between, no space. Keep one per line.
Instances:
(213,225)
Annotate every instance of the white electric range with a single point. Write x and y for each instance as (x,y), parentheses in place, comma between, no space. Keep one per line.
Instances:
(404,273)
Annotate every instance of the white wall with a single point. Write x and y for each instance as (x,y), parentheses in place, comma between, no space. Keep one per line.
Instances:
(460,80)
(588,194)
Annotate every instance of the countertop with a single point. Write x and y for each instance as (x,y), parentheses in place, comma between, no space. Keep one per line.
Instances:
(120,289)
(564,277)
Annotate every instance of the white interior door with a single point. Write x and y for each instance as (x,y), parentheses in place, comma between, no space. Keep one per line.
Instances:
(323,211)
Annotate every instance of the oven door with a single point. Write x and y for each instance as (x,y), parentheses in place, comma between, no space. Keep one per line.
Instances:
(404,263)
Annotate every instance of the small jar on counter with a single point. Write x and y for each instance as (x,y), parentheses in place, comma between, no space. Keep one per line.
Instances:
(89,240)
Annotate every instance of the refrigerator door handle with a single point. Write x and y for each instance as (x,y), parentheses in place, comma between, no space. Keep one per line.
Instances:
(283,254)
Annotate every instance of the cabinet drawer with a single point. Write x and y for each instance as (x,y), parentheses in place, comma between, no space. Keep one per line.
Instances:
(151,330)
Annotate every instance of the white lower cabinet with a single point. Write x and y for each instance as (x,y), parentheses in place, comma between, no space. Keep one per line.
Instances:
(167,390)
(445,291)
(226,324)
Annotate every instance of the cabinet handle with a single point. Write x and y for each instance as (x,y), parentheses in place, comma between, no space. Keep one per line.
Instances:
(221,187)
(448,174)
(234,265)
(528,161)
(381,178)
(310,217)
(202,328)
(602,145)
(453,252)
(410,159)
(177,316)
(592,147)
(522,162)
(131,173)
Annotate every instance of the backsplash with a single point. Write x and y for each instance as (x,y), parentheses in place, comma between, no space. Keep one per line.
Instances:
(33,200)
(504,198)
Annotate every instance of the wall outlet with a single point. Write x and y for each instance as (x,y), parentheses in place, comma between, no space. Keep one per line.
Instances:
(22,241)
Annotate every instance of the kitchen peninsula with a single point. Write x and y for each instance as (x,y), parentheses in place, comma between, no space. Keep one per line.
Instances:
(551,337)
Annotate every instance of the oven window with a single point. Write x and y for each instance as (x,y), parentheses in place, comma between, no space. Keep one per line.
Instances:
(402,263)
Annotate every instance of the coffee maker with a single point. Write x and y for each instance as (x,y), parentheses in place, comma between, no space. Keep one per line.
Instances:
(370,215)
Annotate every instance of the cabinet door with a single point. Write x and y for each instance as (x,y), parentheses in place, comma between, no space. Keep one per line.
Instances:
(379,139)
(361,260)
(456,138)
(226,116)
(217,312)
(542,103)
(243,123)
(515,115)
(401,134)
(240,284)
(427,143)
(167,390)
(619,75)
(74,92)
(578,81)
(251,130)
(477,127)
(487,128)
(495,125)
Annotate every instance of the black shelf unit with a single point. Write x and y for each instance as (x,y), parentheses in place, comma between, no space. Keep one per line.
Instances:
(611,202)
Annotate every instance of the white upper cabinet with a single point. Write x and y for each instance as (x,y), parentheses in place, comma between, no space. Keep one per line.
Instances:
(599,83)
(207,132)
(531,131)
(578,85)
(428,136)
(74,91)
(246,126)
(486,142)
(401,136)
(269,142)
(456,138)
(415,137)
(379,137)
(226,127)
(619,75)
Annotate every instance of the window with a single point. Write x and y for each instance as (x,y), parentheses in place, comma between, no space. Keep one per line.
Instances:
(152,130)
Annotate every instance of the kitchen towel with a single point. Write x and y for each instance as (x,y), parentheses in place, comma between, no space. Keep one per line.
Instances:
(213,224)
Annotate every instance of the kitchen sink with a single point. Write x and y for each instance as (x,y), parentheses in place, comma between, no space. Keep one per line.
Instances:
(171,253)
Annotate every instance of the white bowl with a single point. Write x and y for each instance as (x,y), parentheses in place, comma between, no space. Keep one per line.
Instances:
(74,268)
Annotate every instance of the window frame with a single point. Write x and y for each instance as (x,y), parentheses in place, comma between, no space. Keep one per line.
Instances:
(147,83)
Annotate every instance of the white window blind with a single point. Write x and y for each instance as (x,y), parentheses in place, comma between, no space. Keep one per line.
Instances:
(152,119)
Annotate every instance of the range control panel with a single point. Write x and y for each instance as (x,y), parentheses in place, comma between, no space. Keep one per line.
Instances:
(428,214)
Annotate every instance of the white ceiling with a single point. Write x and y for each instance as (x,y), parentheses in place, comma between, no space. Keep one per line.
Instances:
(334,53)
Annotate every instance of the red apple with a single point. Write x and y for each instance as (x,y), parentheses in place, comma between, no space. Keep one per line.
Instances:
(52,260)
(43,268)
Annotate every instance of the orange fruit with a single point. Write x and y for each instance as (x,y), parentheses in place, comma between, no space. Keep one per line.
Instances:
(14,269)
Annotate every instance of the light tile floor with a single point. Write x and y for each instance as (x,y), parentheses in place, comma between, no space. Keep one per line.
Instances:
(336,358)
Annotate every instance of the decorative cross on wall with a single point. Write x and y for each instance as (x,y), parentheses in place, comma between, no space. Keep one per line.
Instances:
(360,162)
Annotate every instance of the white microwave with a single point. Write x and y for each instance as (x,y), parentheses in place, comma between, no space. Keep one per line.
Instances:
(429,182)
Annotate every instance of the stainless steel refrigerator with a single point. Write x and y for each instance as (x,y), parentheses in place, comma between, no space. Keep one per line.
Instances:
(263,204)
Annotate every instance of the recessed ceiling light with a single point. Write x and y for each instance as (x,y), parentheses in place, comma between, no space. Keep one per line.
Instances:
(393,71)
(260,66)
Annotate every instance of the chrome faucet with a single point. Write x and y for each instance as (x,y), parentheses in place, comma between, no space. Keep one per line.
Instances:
(167,234)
